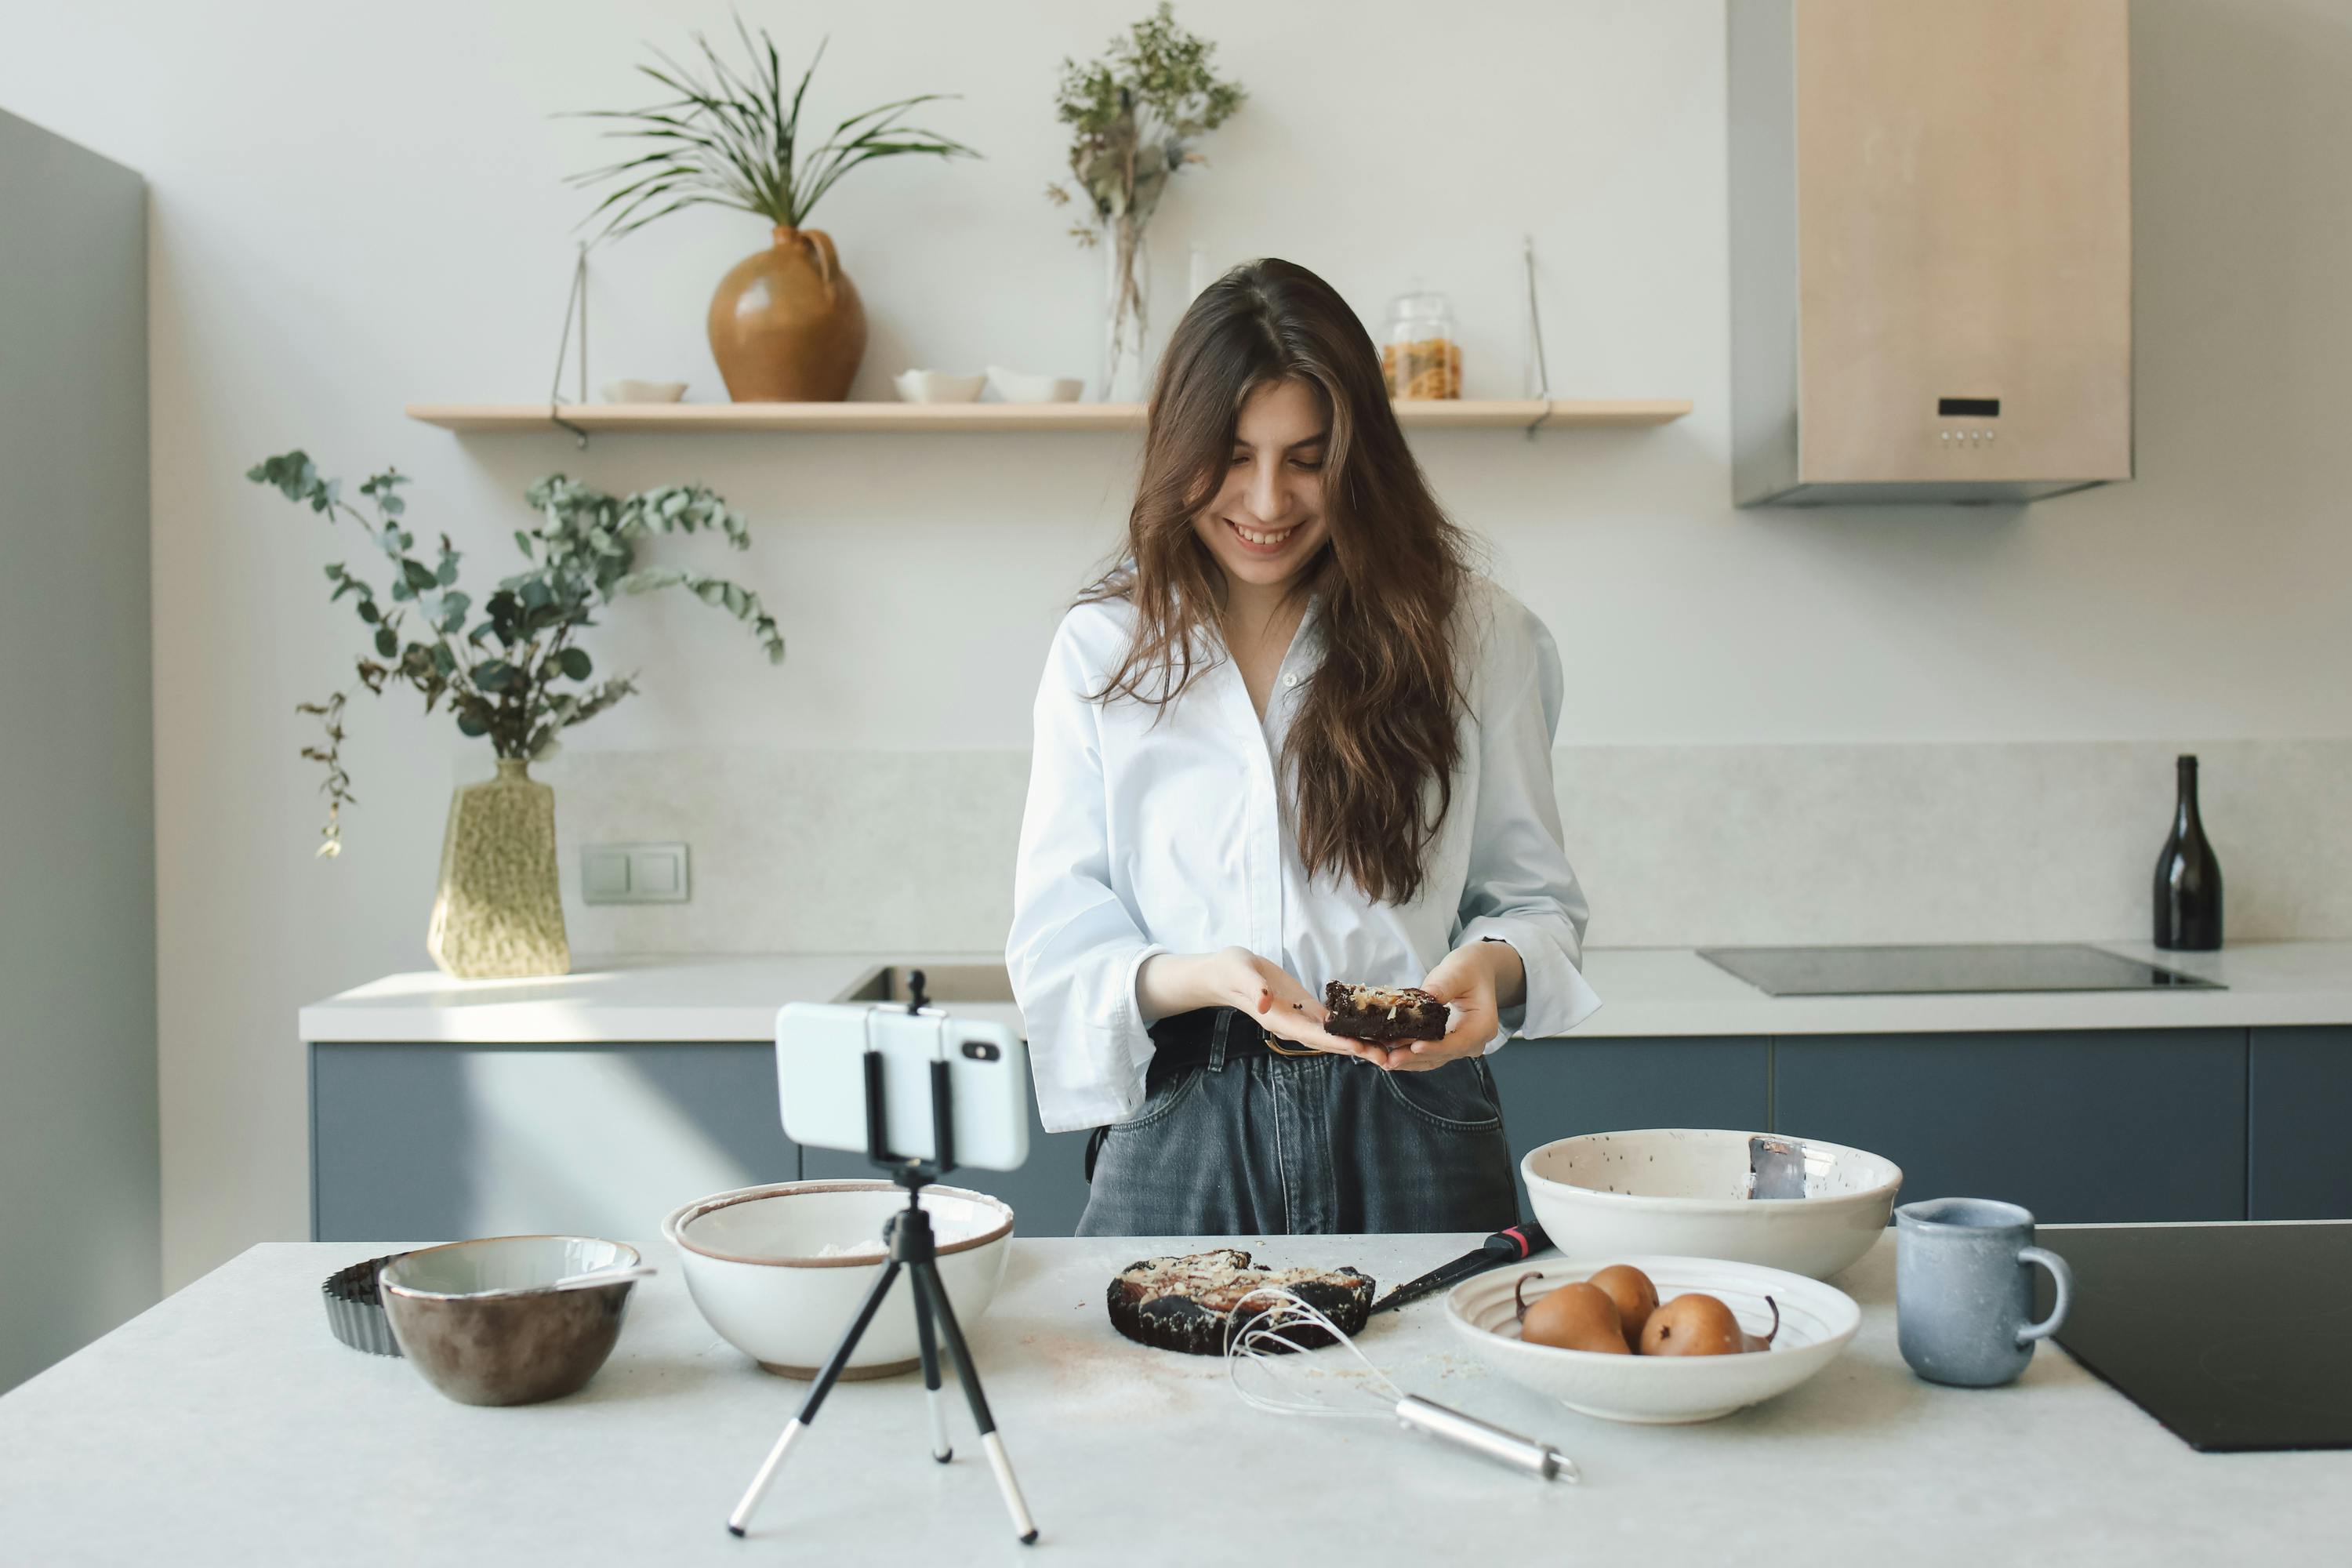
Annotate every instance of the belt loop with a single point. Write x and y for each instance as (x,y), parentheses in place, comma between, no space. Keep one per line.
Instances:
(1217,1039)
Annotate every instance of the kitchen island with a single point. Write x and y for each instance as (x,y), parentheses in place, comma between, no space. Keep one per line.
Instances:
(224,1426)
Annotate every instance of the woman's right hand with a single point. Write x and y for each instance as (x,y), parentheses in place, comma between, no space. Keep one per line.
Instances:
(1235,978)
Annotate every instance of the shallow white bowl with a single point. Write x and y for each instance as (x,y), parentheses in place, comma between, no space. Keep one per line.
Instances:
(1816,1321)
(1682,1190)
(938,386)
(626,391)
(754,1263)
(1020,386)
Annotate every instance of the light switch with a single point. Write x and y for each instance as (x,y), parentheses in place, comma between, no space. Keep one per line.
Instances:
(633,874)
(603,875)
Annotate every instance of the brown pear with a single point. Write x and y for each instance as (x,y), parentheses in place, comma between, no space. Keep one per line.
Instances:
(1578,1317)
(1635,1296)
(1694,1324)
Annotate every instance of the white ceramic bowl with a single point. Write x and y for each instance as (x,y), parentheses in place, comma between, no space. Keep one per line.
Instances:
(755,1263)
(1816,1321)
(938,386)
(1019,387)
(1682,1190)
(626,391)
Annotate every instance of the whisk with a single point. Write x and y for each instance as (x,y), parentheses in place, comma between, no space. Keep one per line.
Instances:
(1261,1339)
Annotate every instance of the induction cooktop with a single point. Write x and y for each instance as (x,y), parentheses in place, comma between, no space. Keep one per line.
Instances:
(1898,971)
(2237,1337)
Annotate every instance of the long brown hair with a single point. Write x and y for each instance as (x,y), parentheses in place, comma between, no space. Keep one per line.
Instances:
(1370,760)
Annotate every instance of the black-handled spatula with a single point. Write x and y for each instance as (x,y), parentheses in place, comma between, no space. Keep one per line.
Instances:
(1503,1247)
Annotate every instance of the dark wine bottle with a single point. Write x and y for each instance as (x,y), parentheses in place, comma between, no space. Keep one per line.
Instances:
(2188,878)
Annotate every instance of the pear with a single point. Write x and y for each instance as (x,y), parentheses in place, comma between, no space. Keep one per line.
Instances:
(1764,1341)
(1578,1317)
(1693,1324)
(1635,1296)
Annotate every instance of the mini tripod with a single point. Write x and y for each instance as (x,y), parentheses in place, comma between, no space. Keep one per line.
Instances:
(912,1248)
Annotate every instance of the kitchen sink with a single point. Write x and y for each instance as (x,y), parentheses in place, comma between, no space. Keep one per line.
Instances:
(946,983)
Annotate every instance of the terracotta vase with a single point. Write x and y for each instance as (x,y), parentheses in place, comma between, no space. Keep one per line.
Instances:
(498,913)
(786,325)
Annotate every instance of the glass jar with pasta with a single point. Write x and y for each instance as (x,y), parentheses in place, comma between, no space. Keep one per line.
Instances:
(1421,358)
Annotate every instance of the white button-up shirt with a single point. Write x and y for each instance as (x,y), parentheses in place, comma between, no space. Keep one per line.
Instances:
(1143,837)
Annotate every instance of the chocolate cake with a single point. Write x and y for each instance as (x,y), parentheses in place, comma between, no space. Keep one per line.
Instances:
(1185,1304)
(1383,1012)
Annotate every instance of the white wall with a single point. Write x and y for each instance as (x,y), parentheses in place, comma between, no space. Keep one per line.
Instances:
(358,206)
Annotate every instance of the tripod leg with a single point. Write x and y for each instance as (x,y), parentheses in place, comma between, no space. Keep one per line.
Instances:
(823,1385)
(926,1279)
(929,1341)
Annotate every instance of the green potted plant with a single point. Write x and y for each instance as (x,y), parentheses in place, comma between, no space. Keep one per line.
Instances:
(786,324)
(1134,115)
(512,671)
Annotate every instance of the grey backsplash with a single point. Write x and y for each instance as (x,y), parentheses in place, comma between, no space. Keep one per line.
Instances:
(1677,846)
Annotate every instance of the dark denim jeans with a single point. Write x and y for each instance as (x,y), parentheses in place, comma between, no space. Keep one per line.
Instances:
(1286,1145)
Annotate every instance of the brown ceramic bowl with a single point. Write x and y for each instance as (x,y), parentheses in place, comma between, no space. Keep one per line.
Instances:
(477,1319)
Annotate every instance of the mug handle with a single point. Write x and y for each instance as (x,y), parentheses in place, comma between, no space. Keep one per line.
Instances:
(2060,1276)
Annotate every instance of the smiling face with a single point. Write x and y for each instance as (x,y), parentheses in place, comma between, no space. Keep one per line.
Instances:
(1266,522)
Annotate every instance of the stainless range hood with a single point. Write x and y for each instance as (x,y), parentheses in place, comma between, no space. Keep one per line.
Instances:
(1930,249)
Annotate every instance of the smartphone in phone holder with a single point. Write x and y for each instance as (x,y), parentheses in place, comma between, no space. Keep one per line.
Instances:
(911,1244)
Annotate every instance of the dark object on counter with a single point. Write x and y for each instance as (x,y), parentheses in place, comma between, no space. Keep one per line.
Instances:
(2224,1382)
(1187,1304)
(1512,1245)
(2188,878)
(1383,1012)
(355,1310)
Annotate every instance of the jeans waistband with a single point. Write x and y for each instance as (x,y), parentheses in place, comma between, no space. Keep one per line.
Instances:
(1206,1037)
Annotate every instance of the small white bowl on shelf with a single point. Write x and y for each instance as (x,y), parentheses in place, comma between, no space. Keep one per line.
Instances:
(628,391)
(938,386)
(1684,1190)
(779,1270)
(1020,386)
(1816,1321)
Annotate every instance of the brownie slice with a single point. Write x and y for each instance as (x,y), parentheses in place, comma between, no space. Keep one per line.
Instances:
(1383,1012)
(1185,1304)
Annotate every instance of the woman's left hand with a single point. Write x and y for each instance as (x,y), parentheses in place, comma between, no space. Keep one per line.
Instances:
(1469,978)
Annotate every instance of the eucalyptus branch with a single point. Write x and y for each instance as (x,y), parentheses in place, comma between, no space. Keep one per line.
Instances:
(517,676)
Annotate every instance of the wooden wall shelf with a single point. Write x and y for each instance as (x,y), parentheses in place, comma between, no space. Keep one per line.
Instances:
(1503,415)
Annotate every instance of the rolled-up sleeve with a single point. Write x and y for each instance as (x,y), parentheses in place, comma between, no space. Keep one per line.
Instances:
(1519,888)
(1075,946)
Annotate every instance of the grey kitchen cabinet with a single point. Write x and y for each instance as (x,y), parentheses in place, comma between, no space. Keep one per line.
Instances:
(428,1141)
(2299,1124)
(2110,1125)
(1557,1088)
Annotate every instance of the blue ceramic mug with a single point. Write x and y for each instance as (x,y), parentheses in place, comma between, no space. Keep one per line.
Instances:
(1964,1292)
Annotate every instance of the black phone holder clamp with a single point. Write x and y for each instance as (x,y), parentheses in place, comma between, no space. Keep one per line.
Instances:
(911,1247)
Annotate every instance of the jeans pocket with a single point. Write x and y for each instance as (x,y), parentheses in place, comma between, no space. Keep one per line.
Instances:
(1160,1099)
(1458,1097)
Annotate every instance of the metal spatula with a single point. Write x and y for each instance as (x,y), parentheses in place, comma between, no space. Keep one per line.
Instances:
(1776,1167)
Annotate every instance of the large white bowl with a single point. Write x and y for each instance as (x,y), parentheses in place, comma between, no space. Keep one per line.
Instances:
(1816,1321)
(1682,1190)
(755,1262)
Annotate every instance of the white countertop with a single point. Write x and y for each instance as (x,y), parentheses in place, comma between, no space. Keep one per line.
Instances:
(226,1427)
(1644,992)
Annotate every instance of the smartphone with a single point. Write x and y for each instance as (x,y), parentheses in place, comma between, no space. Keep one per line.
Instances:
(821,1080)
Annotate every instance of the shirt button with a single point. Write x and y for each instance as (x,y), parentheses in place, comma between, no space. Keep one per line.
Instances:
(1291,680)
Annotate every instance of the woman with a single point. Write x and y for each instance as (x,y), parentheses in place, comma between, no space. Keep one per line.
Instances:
(1291,738)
